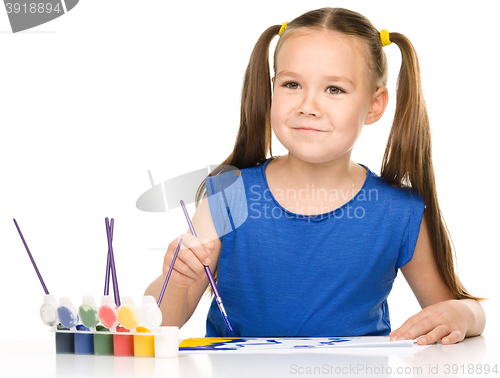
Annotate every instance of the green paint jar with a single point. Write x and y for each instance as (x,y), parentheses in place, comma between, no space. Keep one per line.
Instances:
(103,342)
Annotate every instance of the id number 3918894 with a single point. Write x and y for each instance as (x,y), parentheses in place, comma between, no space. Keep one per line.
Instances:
(473,369)
(33,8)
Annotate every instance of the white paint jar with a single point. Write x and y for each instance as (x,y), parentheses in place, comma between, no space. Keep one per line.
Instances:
(167,342)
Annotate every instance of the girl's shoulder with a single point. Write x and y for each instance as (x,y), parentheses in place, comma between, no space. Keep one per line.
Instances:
(389,192)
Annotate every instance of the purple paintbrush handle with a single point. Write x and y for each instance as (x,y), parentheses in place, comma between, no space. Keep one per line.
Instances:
(188,219)
(108,263)
(32,260)
(212,282)
(168,274)
(207,268)
(113,269)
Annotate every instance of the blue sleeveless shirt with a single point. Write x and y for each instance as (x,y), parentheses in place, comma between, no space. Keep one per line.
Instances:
(282,274)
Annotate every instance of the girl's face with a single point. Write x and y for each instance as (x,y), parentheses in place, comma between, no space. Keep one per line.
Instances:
(322,96)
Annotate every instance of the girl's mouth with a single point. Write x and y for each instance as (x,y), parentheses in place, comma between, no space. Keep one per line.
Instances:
(308,130)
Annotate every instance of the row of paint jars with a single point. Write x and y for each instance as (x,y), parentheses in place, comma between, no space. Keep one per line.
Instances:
(118,322)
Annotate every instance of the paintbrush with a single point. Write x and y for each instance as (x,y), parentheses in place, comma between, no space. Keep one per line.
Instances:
(209,274)
(48,309)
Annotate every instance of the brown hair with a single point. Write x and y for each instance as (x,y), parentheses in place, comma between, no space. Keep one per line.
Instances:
(407,159)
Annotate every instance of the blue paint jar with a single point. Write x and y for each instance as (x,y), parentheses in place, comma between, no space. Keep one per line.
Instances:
(84,340)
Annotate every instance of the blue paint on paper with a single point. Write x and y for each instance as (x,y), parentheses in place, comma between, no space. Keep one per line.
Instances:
(333,341)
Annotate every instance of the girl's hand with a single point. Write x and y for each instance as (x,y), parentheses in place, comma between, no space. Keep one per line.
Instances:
(448,320)
(189,265)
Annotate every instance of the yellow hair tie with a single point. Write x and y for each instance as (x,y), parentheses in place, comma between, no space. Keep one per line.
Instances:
(384,37)
(283,27)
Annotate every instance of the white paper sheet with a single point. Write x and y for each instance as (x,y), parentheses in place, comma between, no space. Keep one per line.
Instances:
(287,345)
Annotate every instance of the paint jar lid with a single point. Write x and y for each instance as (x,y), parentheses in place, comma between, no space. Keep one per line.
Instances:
(149,314)
(108,312)
(88,311)
(67,313)
(48,310)
(128,315)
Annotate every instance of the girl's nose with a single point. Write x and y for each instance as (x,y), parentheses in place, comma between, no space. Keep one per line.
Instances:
(309,106)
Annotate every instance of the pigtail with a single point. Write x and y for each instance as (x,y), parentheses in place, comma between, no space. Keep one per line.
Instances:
(253,140)
(254,136)
(408,160)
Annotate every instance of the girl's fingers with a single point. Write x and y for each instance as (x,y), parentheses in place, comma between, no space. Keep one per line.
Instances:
(454,337)
(403,332)
(189,264)
(421,328)
(180,267)
(441,321)
(177,276)
(436,334)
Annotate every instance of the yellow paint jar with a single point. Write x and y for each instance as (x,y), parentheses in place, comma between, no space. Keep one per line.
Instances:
(144,346)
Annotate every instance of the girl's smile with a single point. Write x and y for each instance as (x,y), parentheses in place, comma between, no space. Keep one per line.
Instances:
(309,129)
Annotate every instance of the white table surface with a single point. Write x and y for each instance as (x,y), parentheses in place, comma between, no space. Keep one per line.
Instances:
(38,359)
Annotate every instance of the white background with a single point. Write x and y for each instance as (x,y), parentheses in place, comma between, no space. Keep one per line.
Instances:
(90,101)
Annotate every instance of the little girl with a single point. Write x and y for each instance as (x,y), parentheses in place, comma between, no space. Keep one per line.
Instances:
(309,244)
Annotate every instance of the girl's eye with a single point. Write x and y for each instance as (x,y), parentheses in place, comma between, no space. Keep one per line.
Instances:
(335,90)
(291,85)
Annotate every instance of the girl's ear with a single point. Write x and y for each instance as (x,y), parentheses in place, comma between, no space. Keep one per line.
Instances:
(377,108)
(273,83)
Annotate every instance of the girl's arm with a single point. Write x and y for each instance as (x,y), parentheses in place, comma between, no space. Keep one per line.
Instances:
(184,291)
(442,317)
